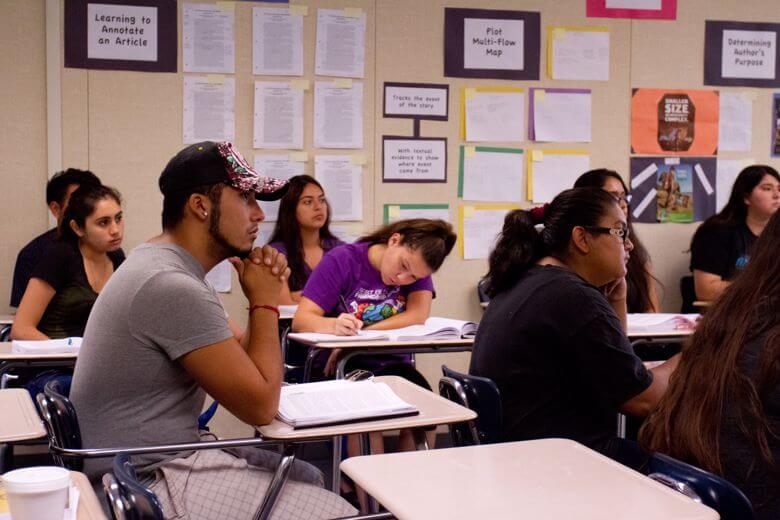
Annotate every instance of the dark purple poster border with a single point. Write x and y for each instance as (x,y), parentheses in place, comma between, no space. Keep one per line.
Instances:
(453,44)
(76,37)
(713,54)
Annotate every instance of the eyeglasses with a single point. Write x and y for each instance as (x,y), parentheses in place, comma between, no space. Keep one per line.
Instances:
(621,197)
(622,233)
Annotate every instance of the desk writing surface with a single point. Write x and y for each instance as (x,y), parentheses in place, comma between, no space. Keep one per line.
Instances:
(554,479)
(379,344)
(89,506)
(434,410)
(633,334)
(7,355)
(19,421)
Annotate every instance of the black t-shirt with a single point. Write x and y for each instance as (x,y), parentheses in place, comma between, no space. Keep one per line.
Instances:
(63,269)
(722,249)
(26,261)
(742,462)
(561,361)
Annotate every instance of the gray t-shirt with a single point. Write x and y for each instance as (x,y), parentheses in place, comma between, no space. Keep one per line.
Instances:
(128,388)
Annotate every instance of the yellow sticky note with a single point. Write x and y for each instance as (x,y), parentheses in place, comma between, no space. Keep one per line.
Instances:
(539,96)
(353,12)
(216,79)
(343,82)
(357,159)
(394,211)
(300,84)
(469,93)
(299,10)
(226,6)
(559,33)
(469,151)
(537,155)
(299,156)
(468,211)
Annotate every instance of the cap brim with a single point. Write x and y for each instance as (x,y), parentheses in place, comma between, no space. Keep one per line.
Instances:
(270,189)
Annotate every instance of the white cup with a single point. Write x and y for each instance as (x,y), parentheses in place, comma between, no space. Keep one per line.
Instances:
(37,493)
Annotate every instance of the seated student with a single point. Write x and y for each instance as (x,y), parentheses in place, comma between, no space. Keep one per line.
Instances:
(642,296)
(553,336)
(385,281)
(302,234)
(58,191)
(158,340)
(722,409)
(66,282)
(721,246)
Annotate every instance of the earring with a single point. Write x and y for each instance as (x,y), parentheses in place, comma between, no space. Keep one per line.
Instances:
(205,214)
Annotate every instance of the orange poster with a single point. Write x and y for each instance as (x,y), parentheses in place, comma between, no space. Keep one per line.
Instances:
(676,122)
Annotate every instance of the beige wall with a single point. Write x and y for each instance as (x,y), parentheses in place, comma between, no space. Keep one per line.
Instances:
(125,125)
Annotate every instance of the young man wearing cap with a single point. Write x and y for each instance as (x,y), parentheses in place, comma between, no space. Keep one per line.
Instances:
(158,337)
(58,191)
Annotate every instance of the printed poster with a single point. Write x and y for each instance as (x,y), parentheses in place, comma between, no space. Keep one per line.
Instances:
(674,193)
(775,125)
(741,54)
(640,9)
(679,122)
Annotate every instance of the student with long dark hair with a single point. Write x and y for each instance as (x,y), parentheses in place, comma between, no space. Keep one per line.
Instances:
(642,296)
(66,282)
(722,409)
(721,246)
(302,233)
(553,336)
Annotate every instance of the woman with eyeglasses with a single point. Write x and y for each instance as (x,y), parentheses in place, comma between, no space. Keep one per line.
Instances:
(642,295)
(553,338)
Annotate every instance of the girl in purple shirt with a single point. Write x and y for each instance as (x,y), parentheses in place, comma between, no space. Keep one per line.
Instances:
(302,233)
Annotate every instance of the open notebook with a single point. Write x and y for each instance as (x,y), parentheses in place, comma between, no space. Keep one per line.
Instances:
(434,328)
(660,322)
(338,402)
(46,346)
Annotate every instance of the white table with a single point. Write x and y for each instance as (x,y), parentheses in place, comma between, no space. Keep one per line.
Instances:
(434,410)
(10,360)
(551,479)
(20,420)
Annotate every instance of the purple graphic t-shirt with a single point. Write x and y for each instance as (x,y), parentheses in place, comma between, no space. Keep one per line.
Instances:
(346,271)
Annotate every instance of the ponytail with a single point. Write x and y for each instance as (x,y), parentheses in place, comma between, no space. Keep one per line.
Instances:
(517,248)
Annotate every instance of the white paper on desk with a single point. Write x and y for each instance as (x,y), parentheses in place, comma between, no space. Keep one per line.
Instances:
(735,126)
(46,346)
(338,115)
(726,173)
(221,276)
(277,42)
(581,55)
(278,166)
(341,44)
(208,39)
(480,231)
(209,109)
(555,173)
(562,117)
(494,176)
(343,183)
(278,121)
(495,116)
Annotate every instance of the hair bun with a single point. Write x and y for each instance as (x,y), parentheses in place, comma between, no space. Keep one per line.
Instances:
(537,213)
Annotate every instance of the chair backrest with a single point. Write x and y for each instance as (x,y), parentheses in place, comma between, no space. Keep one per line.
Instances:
(714,491)
(62,425)
(479,394)
(5,332)
(481,294)
(128,498)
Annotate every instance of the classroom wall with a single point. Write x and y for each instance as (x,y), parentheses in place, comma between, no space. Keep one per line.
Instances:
(126,125)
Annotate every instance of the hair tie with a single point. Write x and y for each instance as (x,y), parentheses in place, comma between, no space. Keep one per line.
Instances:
(537,214)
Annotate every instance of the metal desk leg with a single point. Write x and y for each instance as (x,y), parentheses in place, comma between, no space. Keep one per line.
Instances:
(621,426)
(336,471)
(277,483)
(309,362)
(420,439)
(365,449)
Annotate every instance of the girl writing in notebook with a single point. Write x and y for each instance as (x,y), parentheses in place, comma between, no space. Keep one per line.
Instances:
(553,337)
(642,296)
(65,284)
(721,246)
(302,233)
(722,409)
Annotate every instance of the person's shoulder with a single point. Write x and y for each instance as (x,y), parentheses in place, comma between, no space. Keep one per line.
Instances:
(38,246)
(348,252)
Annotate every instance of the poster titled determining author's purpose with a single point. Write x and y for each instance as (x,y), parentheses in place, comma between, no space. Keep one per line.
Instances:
(741,54)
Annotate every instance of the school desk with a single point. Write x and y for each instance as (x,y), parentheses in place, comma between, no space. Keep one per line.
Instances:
(20,420)
(434,410)
(10,360)
(554,479)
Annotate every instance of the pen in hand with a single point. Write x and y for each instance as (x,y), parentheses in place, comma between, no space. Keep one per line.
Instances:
(344,304)
(351,323)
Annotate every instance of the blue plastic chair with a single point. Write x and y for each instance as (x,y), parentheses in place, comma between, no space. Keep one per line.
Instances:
(128,498)
(476,393)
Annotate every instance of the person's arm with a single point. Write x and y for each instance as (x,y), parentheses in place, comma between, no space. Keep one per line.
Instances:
(248,382)
(34,302)
(288,297)
(642,404)
(709,286)
(616,293)
(310,317)
(418,309)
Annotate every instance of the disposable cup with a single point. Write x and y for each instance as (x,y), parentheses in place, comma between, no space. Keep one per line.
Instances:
(37,493)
